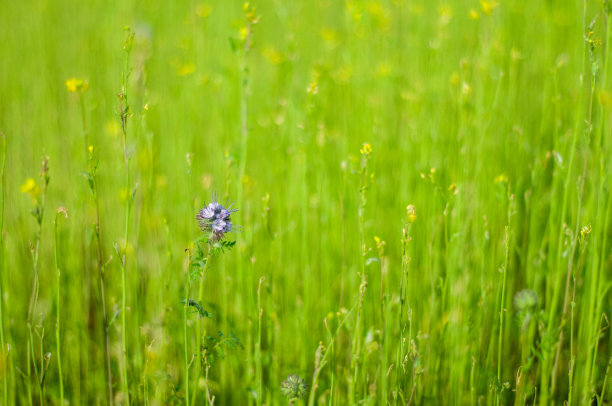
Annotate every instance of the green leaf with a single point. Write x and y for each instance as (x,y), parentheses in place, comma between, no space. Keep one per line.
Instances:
(198,306)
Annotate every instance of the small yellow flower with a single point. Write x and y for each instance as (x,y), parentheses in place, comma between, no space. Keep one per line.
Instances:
(90,149)
(250,13)
(474,15)
(502,178)
(244,32)
(488,6)
(76,85)
(366,149)
(30,187)
(411,213)
(313,88)
(586,230)
(446,13)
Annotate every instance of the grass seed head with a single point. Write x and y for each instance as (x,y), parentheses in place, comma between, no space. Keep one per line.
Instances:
(293,388)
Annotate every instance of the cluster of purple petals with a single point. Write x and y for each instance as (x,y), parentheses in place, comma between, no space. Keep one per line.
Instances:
(215,219)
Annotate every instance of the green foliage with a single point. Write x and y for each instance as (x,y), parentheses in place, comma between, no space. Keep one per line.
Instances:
(217,347)
(418,162)
(199,308)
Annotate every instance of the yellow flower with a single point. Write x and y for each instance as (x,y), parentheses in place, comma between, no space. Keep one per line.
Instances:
(76,85)
(586,230)
(313,88)
(244,32)
(474,15)
(411,213)
(366,149)
(502,178)
(30,187)
(446,13)
(488,6)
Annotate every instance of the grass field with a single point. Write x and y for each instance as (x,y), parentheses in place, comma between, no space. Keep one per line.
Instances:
(424,195)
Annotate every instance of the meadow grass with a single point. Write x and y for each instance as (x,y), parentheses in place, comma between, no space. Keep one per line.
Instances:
(423,191)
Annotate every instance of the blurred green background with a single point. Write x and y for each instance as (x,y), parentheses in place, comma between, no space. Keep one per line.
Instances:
(492,118)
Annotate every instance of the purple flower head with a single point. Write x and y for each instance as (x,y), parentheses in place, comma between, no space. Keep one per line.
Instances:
(207,213)
(215,219)
(218,225)
(224,214)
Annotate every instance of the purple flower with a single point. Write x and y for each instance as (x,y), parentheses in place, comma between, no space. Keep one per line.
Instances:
(224,214)
(207,212)
(218,225)
(215,219)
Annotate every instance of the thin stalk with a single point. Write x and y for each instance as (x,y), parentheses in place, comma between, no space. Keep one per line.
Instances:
(84,122)
(356,347)
(58,305)
(39,211)
(501,314)
(101,271)
(244,99)
(2,340)
(199,323)
(124,109)
(185,311)
(258,347)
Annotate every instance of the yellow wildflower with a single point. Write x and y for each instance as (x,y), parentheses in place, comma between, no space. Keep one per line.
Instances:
(502,178)
(244,32)
(411,213)
(366,149)
(488,6)
(586,230)
(30,187)
(76,85)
